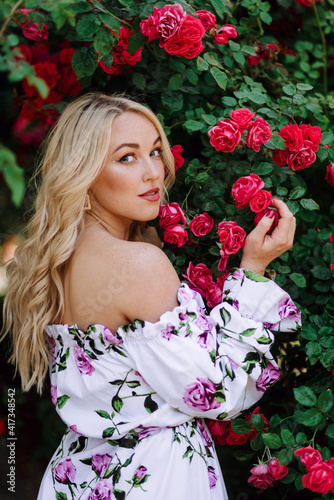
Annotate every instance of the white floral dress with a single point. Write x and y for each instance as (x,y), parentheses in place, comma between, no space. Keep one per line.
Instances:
(134,400)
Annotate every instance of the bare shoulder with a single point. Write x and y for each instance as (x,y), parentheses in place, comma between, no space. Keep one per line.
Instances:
(113,282)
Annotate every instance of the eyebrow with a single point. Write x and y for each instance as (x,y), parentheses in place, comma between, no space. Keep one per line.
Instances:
(133,145)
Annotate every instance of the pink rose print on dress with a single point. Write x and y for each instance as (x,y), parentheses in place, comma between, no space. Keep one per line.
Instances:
(111,337)
(167,332)
(100,463)
(83,361)
(141,472)
(75,429)
(53,391)
(51,345)
(287,309)
(268,376)
(207,341)
(204,433)
(213,478)
(102,491)
(143,432)
(65,472)
(200,395)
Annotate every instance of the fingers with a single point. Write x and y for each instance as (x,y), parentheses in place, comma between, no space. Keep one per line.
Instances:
(260,231)
(286,225)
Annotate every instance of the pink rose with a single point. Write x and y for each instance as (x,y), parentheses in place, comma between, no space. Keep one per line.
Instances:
(83,361)
(169,22)
(245,188)
(100,463)
(199,277)
(330,174)
(53,391)
(186,41)
(259,132)
(261,477)
(170,214)
(320,478)
(207,19)
(308,456)
(200,395)
(232,236)
(102,491)
(268,376)
(176,152)
(260,201)
(303,158)
(225,136)
(141,472)
(269,212)
(279,157)
(213,478)
(176,235)
(112,338)
(213,295)
(276,470)
(293,136)
(312,134)
(242,116)
(201,224)
(65,472)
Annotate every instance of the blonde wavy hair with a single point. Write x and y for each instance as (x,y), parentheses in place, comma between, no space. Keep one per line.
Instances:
(75,154)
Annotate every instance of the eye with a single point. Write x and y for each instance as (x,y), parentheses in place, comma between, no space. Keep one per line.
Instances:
(156,153)
(128,158)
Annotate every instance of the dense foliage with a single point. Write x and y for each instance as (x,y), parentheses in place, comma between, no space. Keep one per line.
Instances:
(196,64)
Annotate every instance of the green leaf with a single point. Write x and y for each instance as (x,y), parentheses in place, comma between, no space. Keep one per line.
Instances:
(321,272)
(248,333)
(202,65)
(103,414)
(84,62)
(330,431)
(88,25)
(309,204)
(103,42)
(258,422)
(262,168)
(108,432)
(325,401)
(255,277)
(119,494)
(193,125)
(309,333)
(263,340)
(233,46)
(136,42)
(239,426)
(175,82)
(304,86)
(220,77)
(287,437)
(60,495)
(174,101)
(117,403)
(305,396)
(297,192)
(62,400)
(311,417)
(230,102)
(225,316)
(313,350)
(150,405)
(285,456)
(13,174)
(272,440)
(243,455)
(191,76)
(301,438)
(265,17)
(293,206)
(298,279)
(289,89)
(239,58)
(275,142)
(257,97)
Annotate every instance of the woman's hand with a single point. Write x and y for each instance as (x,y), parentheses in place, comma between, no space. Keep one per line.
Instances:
(260,248)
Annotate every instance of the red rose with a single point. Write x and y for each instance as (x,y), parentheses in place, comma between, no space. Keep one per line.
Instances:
(320,478)
(30,30)
(201,224)
(23,52)
(176,235)
(276,470)
(245,188)
(176,152)
(221,279)
(261,477)
(306,3)
(225,136)
(171,17)
(68,83)
(269,212)
(279,157)
(331,238)
(308,456)
(199,277)
(263,53)
(65,56)
(232,236)
(213,295)
(260,201)
(48,72)
(40,53)
(293,137)
(302,158)
(121,57)
(187,40)
(148,27)
(2,427)
(222,433)
(330,174)
(312,134)
(170,214)
(207,19)
(259,132)
(242,117)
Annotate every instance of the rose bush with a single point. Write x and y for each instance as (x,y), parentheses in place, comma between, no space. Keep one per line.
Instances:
(244,91)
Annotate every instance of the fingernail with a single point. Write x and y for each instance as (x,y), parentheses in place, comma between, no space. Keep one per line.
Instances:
(271,215)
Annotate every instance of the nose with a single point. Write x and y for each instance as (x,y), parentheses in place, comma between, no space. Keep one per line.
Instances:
(152,169)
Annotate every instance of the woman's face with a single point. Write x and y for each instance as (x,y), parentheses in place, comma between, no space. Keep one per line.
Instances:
(131,183)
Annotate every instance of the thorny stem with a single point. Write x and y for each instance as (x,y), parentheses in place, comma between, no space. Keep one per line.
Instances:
(11,13)
(324,48)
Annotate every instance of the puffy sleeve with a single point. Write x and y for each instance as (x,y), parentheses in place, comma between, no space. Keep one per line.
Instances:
(213,365)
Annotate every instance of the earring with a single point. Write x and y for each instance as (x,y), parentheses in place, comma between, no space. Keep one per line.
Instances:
(87,206)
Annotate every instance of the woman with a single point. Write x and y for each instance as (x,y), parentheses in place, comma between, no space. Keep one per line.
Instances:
(136,361)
